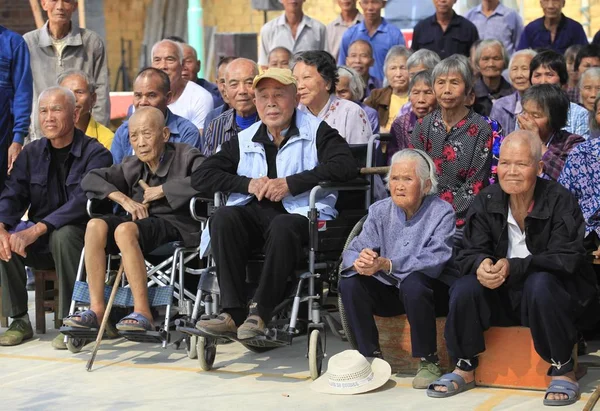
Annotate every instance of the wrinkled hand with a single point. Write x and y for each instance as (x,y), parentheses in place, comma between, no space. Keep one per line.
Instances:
(274,190)
(151,193)
(502,267)
(526,122)
(487,277)
(5,252)
(369,262)
(136,210)
(19,241)
(256,185)
(13,152)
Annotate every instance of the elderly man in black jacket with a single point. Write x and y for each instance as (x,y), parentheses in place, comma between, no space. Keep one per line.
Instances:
(523,263)
(154,188)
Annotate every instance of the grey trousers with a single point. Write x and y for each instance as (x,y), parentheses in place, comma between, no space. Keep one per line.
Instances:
(66,244)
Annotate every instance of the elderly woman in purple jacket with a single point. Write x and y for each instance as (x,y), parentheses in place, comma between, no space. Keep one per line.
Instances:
(506,109)
(396,265)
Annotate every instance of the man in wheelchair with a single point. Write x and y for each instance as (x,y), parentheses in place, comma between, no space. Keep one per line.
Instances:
(269,170)
(154,188)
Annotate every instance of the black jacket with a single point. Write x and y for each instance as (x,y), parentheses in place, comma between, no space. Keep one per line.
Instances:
(554,230)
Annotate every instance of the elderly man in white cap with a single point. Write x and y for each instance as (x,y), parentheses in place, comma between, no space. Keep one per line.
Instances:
(269,200)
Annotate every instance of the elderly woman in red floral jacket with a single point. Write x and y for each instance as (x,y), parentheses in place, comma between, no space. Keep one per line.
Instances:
(457,139)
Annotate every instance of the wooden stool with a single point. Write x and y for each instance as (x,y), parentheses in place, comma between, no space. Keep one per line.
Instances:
(394,341)
(510,360)
(3,319)
(45,299)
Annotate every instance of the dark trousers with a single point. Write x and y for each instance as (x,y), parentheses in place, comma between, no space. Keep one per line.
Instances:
(418,297)
(238,231)
(66,244)
(546,308)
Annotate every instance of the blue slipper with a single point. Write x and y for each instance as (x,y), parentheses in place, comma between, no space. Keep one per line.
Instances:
(141,323)
(87,319)
(562,387)
(446,380)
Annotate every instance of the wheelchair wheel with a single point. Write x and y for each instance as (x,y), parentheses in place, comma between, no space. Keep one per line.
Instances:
(75,345)
(206,351)
(315,354)
(191,346)
(343,317)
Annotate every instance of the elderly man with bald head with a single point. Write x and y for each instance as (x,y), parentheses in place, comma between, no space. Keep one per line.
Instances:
(188,99)
(45,183)
(238,85)
(154,188)
(523,263)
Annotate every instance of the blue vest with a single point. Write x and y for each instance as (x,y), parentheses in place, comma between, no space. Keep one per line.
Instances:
(297,155)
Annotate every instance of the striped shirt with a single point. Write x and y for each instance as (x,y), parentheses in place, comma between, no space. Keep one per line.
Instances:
(220,130)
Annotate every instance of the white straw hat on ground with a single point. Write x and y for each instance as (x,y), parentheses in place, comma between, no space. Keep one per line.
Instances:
(349,373)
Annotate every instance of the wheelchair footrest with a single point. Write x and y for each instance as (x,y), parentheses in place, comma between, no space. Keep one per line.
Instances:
(80,333)
(157,296)
(152,337)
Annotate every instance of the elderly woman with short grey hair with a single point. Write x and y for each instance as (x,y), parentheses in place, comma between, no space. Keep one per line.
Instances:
(389,100)
(490,60)
(316,76)
(419,61)
(589,87)
(506,109)
(398,264)
(457,139)
(422,101)
(351,86)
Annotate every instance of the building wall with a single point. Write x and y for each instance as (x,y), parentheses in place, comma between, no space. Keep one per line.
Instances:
(16,15)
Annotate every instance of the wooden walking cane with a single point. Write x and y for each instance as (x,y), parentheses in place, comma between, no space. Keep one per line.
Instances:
(591,403)
(109,305)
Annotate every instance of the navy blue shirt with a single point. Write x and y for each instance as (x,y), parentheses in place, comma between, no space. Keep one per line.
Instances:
(33,184)
(385,37)
(568,33)
(213,89)
(457,39)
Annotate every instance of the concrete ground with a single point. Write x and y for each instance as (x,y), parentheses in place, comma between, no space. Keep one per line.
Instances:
(128,375)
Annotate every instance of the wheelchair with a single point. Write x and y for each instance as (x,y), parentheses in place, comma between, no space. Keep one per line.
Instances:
(165,281)
(311,286)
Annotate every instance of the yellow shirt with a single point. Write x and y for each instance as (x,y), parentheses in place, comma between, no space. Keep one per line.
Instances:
(396,104)
(100,133)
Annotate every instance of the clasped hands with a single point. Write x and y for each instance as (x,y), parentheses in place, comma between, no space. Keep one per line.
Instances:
(492,275)
(369,262)
(273,189)
(19,241)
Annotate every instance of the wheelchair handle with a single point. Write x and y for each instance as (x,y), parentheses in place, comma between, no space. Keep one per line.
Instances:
(374,170)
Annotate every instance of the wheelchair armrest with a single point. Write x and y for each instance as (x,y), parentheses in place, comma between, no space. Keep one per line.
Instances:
(385,137)
(200,207)
(97,208)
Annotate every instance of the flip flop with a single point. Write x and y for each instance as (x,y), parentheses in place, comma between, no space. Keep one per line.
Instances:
(87,319)
(562,387)
(142,323)
(446,380)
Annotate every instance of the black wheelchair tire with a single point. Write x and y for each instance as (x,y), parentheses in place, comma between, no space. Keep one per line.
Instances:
(344,319)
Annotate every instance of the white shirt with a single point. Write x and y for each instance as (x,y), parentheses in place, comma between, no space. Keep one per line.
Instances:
(348,118)
(310,35)
(193,104)
(517,247)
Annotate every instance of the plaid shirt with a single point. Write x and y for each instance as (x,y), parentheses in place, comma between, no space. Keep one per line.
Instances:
(559,146)
(220,130)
